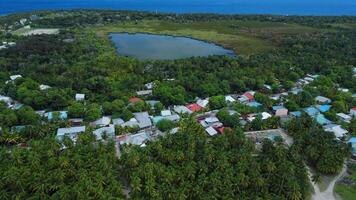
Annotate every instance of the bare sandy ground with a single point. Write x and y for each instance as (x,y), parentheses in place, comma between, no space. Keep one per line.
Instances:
(328,194)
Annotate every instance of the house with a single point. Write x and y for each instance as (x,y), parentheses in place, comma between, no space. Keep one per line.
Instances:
(267,87)
(211,121)
(16,105)
(352,142)
(157,119)
(135,100)
(118,121)
(229,99)
(343,117)
(322,100)
(79,97)
(6,99)
(165,113)
(353,112)
(254,104)
(275,97)
(309,79)
(72,133)
(19,128)
(221,130)
(143,120)
(144,92)
(131,123)
(61,115)
(320,119)
(14,77)
(312,111)
(151,103)
(280,111)
(211,131)
(103,121)
(174,130)
(76,121)
(182,110)
(135,139)
(149,86)
(264,116)
(296,91)
(343,90)
(173,118)
(296,114)
(194,107)
(41,113)
(336,129)
(203,102)
(109,132)
(247,96)
(323,108)
(44,87)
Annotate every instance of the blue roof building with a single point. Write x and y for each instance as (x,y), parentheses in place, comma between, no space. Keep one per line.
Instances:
(324,108)
(254,104)
(296,114)
(156,119)
(352,141)
(275,108)
(320,119)
(312,111)
(61,115)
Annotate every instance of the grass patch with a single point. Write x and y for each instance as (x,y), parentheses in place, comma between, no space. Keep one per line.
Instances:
(348,192)
(244,37)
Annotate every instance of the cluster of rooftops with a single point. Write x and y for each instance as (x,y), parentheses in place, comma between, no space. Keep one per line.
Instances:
(104,127)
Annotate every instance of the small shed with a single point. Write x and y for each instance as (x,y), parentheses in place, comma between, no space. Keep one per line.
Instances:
(80,97)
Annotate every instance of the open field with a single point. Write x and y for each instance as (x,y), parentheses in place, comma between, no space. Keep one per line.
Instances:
(35,31)
(244,37)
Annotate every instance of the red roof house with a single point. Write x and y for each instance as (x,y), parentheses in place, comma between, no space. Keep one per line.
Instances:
(135,100)
(221,130)
(194,107)
(249,96)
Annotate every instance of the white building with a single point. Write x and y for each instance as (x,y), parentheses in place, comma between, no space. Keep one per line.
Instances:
(14,77)
(72,133)
(104,121)
(80,97)
(211,131)
(344,117)
(108,131)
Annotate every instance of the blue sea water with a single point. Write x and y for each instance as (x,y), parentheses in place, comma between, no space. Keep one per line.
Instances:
(279,7)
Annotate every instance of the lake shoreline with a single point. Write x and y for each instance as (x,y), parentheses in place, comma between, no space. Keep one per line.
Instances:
(229,52)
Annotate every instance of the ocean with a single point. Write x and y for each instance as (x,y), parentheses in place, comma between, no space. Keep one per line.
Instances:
(276,7)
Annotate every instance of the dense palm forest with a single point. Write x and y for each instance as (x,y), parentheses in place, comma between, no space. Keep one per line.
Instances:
(188,164)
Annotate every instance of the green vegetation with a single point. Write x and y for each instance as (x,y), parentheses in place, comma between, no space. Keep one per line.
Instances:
(347,188)
(189,166)
(272,50)
(43,170)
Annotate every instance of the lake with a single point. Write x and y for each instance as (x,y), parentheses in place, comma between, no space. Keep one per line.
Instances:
(279,7)
(163,47)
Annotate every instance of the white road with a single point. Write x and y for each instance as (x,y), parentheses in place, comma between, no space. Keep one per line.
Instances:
(328,194)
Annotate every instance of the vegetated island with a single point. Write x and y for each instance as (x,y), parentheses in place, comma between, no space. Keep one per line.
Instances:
(78,121)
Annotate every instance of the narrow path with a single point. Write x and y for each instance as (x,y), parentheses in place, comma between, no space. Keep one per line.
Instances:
(328,194)
(117,150)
